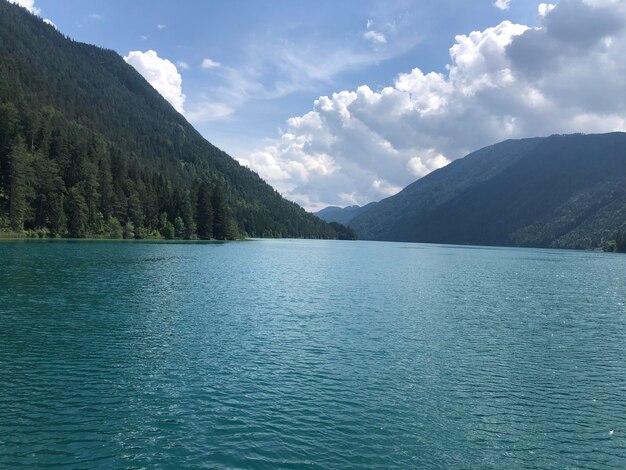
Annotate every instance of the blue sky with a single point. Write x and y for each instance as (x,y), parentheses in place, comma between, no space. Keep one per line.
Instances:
(254,34)
(267,63)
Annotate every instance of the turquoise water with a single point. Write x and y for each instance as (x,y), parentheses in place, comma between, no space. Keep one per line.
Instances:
(310,354)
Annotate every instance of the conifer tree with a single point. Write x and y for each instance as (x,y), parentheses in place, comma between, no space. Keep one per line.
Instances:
(219,214)
(205,212)
(20,184)
(48,194)
(77,212)
(188,219)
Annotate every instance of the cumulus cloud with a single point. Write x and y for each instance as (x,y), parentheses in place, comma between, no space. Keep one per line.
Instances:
(209,64)
(161,74)
(545,8)
(161,26)
(29,5)
(502,4)
(182,64)
(509,81)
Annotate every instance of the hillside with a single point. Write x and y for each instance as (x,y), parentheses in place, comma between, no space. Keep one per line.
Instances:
(566,191)
(89,148)
(341,215)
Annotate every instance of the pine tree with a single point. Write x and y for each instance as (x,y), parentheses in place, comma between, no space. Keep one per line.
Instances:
(188,219)
(205,212)
(57,219)
(179,227)
(78,213)
(9,120)
(20,184)
(232,232)
(620,241)
(219,214)
(135,214)
(48,193)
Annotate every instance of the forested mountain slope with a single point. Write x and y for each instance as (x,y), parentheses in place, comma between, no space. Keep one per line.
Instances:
(566,191)
(89,148)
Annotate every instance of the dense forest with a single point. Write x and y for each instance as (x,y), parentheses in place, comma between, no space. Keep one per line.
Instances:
(562,191)
(89,149)
(617,244)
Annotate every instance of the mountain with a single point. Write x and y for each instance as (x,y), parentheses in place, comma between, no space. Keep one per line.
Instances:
(89,148)
(565,191)
(341,215)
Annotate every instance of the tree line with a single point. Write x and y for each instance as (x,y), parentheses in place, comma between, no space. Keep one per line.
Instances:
(89,149)
(618,244)
(66,182)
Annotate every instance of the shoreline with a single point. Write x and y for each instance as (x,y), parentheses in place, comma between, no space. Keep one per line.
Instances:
(124,240)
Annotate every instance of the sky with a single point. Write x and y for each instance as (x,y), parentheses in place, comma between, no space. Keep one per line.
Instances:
(346,102)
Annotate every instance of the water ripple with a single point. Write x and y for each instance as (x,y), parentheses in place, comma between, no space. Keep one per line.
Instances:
(310,354)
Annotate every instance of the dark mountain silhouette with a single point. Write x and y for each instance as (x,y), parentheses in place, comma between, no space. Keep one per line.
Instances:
(566,191)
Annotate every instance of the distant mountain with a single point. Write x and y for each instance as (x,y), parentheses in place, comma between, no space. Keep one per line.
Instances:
(566,191)
(89,148)
(340,214)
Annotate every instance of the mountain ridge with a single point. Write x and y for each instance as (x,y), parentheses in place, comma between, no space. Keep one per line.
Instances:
(118,151)
(341,214)
(565,191)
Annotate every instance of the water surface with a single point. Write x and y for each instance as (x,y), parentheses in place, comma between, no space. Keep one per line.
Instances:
(310,354)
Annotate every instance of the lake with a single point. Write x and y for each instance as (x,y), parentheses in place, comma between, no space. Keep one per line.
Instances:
(310,354)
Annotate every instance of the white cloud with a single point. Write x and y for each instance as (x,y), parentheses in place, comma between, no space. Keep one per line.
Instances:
(209,64)
(47,21)
(161,26)
(502,4)
(508,81)
(382,187)
(545,8)
(161,74)
(95,17)
(182,64)
(375,37)
(429,160)
(29,5)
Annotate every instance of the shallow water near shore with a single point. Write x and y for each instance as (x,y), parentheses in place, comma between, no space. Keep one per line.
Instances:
(310,354)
